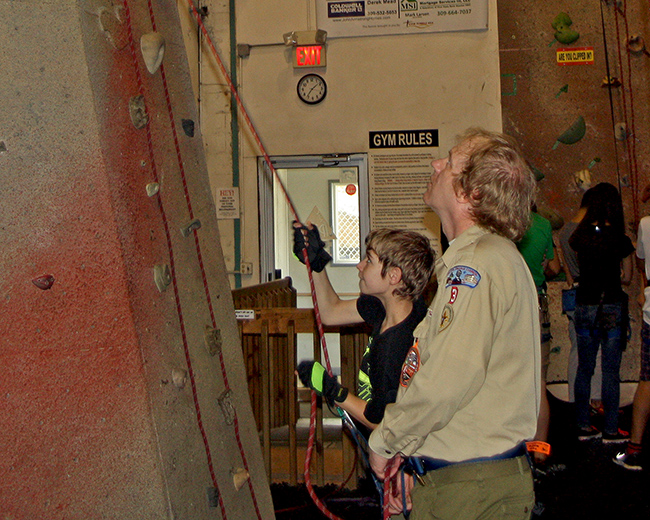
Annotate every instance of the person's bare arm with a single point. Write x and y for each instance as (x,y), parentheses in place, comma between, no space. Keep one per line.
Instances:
(553,266)
(334,310)
(626,274)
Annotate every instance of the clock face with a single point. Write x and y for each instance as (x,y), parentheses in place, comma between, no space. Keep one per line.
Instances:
(312,89)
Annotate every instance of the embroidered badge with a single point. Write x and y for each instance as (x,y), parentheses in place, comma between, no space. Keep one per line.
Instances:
(446,317)
(454,295)
(411,365)
(463,275)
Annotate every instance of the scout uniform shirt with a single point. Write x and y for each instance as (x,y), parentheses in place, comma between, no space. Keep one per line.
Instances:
(470,385)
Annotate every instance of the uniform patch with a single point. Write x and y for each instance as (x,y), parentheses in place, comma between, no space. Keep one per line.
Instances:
(454,295)
(463,275)
(411,365)
(446,317)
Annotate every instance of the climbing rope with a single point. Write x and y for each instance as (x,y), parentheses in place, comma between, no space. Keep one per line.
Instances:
(629,123)
(319,324)
(626,89)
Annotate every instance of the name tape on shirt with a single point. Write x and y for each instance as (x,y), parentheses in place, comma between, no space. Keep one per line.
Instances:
(463,275)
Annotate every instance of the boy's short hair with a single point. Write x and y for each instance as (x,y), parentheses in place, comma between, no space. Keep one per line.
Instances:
(411,252)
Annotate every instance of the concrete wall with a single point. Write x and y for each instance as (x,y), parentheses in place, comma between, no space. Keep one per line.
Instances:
(110,392)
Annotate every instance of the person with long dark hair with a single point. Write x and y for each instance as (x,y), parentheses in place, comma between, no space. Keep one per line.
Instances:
(601,315)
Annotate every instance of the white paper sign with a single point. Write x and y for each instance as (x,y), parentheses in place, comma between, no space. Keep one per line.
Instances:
(227,200)
(374,17)
(398,179)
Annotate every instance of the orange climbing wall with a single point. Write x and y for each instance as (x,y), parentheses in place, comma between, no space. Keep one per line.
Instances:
(541,100)
(120,397)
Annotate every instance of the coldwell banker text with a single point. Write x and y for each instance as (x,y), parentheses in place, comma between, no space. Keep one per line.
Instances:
(344,9)
(404,139)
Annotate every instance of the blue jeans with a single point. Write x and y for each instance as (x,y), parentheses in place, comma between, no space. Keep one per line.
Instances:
(594,329)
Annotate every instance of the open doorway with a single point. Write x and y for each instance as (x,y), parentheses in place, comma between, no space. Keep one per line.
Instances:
(330,191)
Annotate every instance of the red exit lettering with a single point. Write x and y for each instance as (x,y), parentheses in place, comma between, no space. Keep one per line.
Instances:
(308,56)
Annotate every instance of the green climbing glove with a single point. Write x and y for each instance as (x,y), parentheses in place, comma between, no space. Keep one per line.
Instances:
(318,257)
(314,375)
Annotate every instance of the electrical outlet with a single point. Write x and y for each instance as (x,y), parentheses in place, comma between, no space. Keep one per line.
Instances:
(246,268)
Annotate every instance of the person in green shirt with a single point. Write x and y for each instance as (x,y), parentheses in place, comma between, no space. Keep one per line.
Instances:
(538,250)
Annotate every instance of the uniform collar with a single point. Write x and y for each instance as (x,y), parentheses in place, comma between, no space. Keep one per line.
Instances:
(467,237)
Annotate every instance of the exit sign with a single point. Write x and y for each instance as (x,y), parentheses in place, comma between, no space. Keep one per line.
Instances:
(310,56)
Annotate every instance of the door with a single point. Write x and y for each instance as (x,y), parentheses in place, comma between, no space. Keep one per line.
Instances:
(330,191)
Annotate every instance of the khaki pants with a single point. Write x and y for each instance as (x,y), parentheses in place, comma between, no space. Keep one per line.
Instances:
(501,489)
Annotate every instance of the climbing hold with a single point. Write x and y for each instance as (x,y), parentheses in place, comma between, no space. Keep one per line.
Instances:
(188,127)
(593,162)
(573,134)
(227,408)
(611,81)
(152,188)
(114,29)
(3,147)
(636,45)
(212,340)
(582,180)
(44,282)
(179,377)
(190,226)
(563,34)
(152,46)
(239,477)
(138,112)
(213,497)
(620,131)
(162,277)
(564,89)
(539,175)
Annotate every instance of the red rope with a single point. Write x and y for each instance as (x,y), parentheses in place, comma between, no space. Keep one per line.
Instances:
(319,323)
(388,488)
(630,126)
(179,309)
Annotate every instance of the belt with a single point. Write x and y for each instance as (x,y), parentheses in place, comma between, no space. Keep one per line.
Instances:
(422,465)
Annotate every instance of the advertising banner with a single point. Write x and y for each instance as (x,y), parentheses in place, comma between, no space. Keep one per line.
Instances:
(342,18)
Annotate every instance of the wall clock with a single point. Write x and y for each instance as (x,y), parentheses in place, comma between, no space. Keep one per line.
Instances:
(312,89)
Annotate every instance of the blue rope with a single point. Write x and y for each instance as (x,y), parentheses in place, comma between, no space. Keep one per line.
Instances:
(362,444)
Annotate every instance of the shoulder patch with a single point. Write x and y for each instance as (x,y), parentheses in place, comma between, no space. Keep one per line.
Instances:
(463,275)
(411,365)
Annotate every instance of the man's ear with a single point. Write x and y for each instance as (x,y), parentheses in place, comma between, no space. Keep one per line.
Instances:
(394,275)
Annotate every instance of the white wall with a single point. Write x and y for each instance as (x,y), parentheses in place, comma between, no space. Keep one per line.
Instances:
(447,81)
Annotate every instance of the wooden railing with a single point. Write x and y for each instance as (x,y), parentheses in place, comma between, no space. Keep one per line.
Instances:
(269,343)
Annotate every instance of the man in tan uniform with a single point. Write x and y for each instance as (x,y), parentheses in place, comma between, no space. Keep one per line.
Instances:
(470,386)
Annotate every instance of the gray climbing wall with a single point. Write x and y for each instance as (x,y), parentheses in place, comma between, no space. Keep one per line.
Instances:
(123,393)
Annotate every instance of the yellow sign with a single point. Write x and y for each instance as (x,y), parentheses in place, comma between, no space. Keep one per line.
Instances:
(575,56)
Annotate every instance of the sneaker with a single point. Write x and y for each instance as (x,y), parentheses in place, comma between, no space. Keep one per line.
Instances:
(629,460)
(588,433)
(614,438)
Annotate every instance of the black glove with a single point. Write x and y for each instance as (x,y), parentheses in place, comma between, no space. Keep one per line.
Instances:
(318,257)
(313,375)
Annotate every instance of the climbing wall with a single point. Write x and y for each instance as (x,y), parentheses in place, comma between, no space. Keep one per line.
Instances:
(122,391)
(574,80)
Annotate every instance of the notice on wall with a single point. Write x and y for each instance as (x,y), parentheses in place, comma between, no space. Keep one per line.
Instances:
(374,17)
(397,180)
(227,200)
(575,56)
